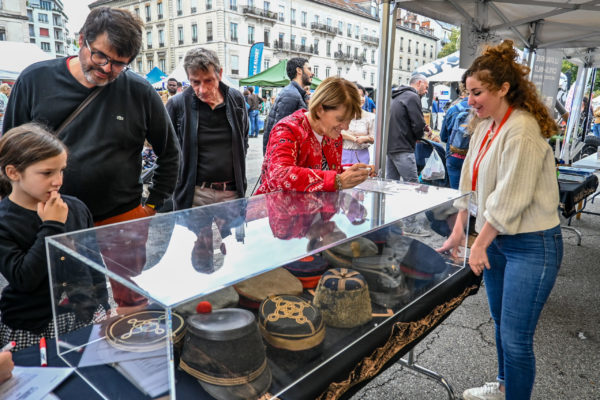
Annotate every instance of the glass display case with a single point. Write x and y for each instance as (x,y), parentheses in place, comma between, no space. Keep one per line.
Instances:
(127,288)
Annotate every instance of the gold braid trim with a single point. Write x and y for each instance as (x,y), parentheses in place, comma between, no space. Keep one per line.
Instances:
(403,333)
(241,380)
(294,344)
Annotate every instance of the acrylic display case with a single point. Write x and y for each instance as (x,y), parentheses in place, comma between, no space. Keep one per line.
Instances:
(121,284)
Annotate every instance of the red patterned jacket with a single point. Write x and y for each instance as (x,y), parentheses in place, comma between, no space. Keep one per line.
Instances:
(293,158)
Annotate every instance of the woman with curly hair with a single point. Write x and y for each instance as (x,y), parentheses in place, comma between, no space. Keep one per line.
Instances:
(511,171)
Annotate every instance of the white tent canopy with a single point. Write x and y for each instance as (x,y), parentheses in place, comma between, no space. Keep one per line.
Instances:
(449,75)
(16,56)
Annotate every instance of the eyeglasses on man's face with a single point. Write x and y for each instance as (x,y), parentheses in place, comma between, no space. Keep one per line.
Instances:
(101,59)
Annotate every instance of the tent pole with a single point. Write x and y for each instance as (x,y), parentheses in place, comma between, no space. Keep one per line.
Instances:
(384,81)
(586,106)
(575,112)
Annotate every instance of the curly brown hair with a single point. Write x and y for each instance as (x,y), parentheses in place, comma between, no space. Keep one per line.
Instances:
(497,65)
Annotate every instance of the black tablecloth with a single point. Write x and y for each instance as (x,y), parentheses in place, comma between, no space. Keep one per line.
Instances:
(571,193)
(310,386)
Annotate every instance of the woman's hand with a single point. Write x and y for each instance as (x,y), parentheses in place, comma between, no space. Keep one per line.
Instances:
(453,243)
(355,175)
(54,209)
(478,259)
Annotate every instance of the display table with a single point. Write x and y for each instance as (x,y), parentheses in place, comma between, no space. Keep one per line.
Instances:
(163,262)
(591,162)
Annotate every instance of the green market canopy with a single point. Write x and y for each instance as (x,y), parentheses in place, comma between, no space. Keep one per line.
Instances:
(275,76)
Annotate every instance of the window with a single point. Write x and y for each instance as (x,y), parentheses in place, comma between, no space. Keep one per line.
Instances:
(340,27)
(159,9)
(357,31)
(327,72)
(30,15)
(233,5)
(417,48)
(348,49)
(266,35)
(31,32)
(250,35)
(150,64)
(44,32)
(329,22)
(43,18)
(316,44)
(356,52)
(364,75)
(233,35)
(349,30)
(303,18)
(46,5)
(293,16)
(401,44)
(281,13)
(316,70)
(139,66)
(179,7)
(409,41)
(209,31)
(267,63)
(137,11)
(372,56)
(149,39)
(339,73)
(161,38)
(209,4)
(281,38)
(180,34)
(266,5)
(372,78)
(193,6)
(293,41)
(316,18)
(328,48)
(162,64)
(408,64)
(339,47)
(235,65)
(431,51)
(148,13)
(2,34)
(56,20)
(250,3)
(195,32)
(45,46)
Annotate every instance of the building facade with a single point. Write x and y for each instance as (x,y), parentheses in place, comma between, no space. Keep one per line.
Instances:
(338,37)
(13,21)
(47,26)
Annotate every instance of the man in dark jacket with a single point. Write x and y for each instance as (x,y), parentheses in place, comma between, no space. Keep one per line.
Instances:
(211,122)
(292,97)
(407,125)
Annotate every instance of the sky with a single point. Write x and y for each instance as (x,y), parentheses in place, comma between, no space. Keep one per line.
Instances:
(77,11)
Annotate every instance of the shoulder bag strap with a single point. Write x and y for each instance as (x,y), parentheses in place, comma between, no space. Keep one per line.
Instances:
(79,109)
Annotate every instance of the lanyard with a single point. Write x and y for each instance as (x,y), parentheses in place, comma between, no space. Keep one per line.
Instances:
(487,144)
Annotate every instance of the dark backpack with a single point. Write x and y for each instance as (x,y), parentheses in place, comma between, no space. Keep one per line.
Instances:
(459,135)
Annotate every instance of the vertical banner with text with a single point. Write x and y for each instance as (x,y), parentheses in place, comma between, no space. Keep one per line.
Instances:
(255,60)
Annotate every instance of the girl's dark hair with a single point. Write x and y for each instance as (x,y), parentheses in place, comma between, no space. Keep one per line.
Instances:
(23,146)
(497,65)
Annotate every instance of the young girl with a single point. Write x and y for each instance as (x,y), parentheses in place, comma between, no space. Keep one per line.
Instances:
(31,168)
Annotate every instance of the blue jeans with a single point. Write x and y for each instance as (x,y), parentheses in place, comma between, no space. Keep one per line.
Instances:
(453,167)
(595,130)
(523,272)
(253,116)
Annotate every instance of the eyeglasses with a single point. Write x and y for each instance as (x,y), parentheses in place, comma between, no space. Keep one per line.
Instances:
(101,59)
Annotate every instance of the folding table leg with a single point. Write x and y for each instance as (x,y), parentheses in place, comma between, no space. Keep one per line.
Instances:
(410,363)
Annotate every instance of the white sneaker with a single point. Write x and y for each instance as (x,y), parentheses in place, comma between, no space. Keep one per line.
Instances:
(489,391)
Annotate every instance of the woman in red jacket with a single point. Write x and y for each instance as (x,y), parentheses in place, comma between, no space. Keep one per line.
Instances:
(305,149)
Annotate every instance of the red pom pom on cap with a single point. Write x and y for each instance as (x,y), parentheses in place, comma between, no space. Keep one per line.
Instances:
(204,307)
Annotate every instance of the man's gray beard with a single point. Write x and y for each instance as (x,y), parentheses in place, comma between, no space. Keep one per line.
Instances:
(90,79)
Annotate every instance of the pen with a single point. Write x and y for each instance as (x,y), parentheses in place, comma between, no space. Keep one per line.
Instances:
(43,355)
(9,346)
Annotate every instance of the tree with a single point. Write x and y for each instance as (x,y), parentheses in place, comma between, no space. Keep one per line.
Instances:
(569,69)
(453,44)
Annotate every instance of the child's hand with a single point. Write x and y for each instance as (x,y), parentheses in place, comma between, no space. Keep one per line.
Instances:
(55,209)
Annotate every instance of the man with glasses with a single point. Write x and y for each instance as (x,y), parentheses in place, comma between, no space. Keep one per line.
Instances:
(105,140)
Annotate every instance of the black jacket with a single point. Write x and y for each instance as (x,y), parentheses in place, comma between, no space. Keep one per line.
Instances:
(290,99)
(406,120)
(183,110)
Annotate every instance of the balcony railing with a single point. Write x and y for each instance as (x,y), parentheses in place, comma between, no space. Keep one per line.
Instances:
(294,48)
(235,72)
(330,30)
(260,13)
(370,39)
(341,56)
